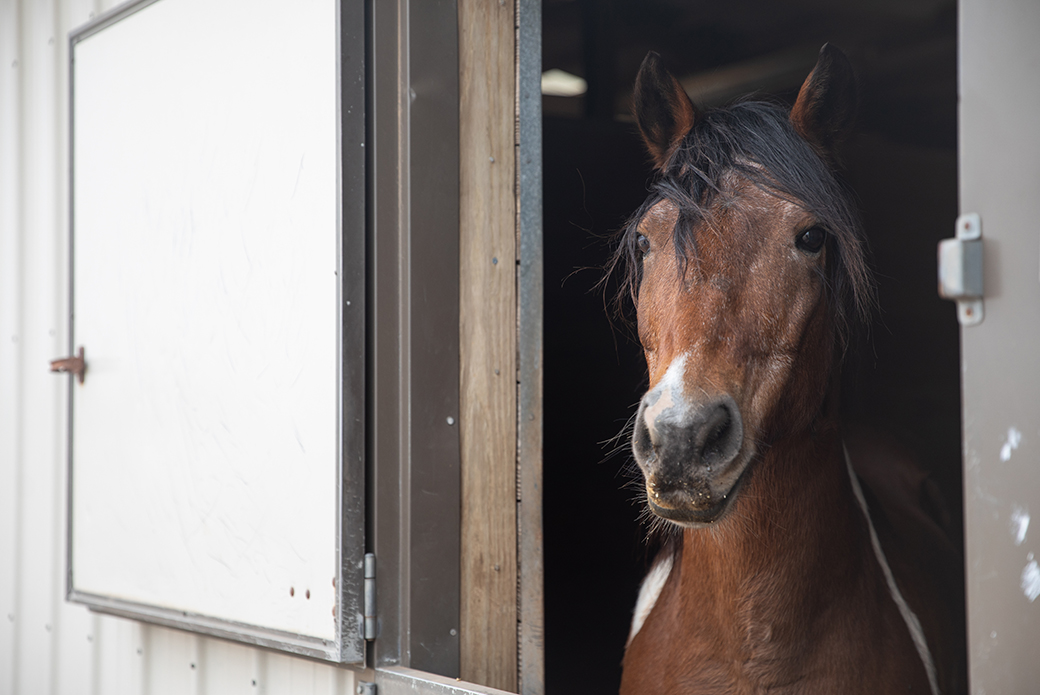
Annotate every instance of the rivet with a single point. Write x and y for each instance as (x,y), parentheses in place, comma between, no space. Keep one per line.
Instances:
(491,159)
(497,568)
(494,261)
(193,665)
(454,632)
(451,420)
(496,372)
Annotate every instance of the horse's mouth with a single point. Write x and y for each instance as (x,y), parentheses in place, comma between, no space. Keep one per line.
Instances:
(692,515)
(693,511)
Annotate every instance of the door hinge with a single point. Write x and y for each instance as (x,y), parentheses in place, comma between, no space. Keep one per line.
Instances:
(960,269)
(370,596)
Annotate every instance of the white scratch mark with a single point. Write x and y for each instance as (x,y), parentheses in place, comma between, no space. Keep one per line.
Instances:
(1031,580)
(298,172)
(1019,524)
(1014,438)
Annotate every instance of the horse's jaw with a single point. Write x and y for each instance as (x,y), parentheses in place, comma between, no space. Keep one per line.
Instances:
(697,506)
(694,515)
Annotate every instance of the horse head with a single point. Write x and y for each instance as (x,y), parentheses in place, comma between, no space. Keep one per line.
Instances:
(746,265)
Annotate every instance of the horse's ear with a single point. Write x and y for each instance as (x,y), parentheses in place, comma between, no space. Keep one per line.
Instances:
(825,109)
(663,111)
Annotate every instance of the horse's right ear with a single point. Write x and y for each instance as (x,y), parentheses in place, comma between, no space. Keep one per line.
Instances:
(825,109)
(663,110)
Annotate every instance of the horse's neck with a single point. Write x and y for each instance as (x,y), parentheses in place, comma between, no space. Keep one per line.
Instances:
(783,594)
(794,542)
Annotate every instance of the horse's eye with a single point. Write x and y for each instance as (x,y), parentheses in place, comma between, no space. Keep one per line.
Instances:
(811,240)
(643,243)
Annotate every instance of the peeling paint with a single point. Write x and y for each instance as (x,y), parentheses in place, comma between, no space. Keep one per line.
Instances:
(1031,579)
(1014,438)
(1019,524)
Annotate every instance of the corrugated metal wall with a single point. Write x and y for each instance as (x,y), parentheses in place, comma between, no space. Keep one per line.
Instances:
(46,644)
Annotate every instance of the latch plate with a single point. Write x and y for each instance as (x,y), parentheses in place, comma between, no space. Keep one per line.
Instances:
(960,269)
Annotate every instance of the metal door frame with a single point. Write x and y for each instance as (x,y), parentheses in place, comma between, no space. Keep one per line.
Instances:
(413,115)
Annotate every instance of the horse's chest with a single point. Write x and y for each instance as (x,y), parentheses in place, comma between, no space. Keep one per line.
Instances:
(748,655)
(674,654)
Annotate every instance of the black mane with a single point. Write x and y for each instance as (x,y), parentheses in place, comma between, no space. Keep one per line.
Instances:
(755,140)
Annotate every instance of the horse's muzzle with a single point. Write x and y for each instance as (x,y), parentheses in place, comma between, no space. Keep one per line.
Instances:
(689,453)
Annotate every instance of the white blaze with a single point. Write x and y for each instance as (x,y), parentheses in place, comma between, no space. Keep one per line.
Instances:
(667,394)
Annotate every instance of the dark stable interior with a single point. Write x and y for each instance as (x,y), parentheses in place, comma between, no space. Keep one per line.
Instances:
(901,379)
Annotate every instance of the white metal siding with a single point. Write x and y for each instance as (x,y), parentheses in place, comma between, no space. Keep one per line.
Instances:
(46,644)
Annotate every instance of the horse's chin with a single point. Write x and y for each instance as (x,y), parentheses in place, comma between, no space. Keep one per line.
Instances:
(693,517)
(684,510)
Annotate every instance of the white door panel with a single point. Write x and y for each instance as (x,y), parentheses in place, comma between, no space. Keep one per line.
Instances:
(206,257)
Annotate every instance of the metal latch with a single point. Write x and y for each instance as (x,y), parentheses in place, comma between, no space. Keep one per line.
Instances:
(72,365)
(370,596)
(960,269)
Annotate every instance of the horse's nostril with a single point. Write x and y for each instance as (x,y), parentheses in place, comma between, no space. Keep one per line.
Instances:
(719,435)
(718,429)
(676,442)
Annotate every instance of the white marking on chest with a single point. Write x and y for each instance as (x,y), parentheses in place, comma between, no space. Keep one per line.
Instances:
(649,592)
(912,623)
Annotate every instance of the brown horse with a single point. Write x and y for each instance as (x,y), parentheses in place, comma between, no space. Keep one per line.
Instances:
(747,268)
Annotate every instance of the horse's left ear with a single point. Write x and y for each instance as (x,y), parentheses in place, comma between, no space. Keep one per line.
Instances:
(825,109)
